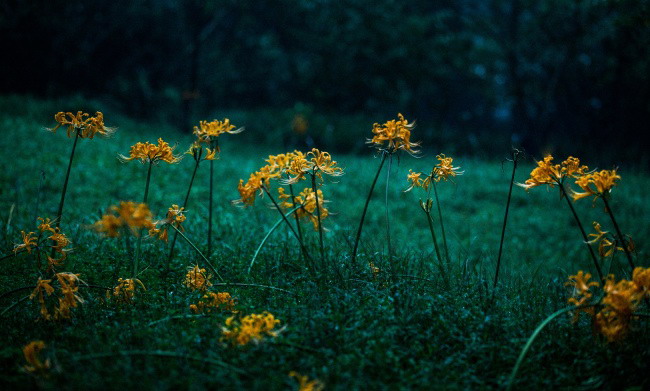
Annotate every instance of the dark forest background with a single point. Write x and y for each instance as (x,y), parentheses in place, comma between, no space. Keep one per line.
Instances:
(548,75)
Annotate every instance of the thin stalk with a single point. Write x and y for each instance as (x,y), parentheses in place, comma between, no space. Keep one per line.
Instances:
(505,219)
(619,234)
(298,225)
(237,284)
(276,225)
(365,208)
(390,249)
(210,208)
(442,224)
(320,226)
(59,213)
(198,251)
(582,231)
(136,257)
(13,254)
(13,305)
(435,245)
(187,198)
(293,231)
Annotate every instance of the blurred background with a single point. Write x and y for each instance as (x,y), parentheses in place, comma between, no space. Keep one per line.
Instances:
(479,76)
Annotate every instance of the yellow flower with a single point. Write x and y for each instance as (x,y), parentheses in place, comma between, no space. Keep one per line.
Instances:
(414,178)
(197,279)
(597,184)
(250,328)
(208,131)
(82,123)
(307,202)
(29,242)
(212,301)
(135,216)
(641,277)
(305,384)
(397,135)
(445,169)
(322,163)
(32,351)
(547,173)
(109,225)
(175,216)
(599,233)
(374,269)
(581,292)
(43,288)
(611,324)
(125,290)
(152,153)
(248,190)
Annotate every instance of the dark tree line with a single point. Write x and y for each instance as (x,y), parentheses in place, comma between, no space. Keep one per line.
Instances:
(535,72)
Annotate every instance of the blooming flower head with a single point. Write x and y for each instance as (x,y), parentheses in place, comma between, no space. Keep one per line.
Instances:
(547,173)
(58,243)
(83,124)
(29,242)
(32,352)
(444,169)
(250,328)
(581,292)
(152,153)
(597,184)
(127,214)
(396,134)
(125,290)
(304,384)
(209,131)
(256,181)
(175,217)
(41,291)
(197,279)
(212,301)
(306,200)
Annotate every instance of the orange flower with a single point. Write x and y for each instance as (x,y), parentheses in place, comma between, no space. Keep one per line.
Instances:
(597,184)
(396,134)
(82,123)
(32,351)
(547,173)
(152,153)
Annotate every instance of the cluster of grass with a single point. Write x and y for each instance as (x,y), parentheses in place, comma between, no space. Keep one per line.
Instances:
(350,330)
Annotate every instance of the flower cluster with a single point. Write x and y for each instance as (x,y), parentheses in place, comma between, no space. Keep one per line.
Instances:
(128,214)
(253,327)
(547,173)
(443,170)
(304,384)
(32,352)
(620,301)
(83,124)
(124,291)
(68,286)
(197,279)
(152,153)
(316,163)
(59,242)
(208,131)
(175,217)
(597,184)
(396,134)
(212,301)
(307,202)
(607,244)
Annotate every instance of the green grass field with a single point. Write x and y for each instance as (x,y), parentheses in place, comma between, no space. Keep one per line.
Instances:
(346,328)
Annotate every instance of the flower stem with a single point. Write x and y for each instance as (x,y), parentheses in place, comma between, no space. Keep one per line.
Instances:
(390,249)
(442,225)
(136,257)
(435,245)
(618,233)
(515,160)
(198,251)
(187,198)
(296,207)
(320,226)
(276,225)
(365,208)
(59,213)
(210,208)
(582,231)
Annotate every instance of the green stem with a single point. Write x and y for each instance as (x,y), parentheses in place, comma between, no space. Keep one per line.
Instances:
(442,224)
(582,231)
(505,218)
(365,208)
(390,249)
(136,257)
(13,305)
(210,208)
(298,225)
(268,234)
(187,198)
(59,213)
(13,254)
(533,336)
(435,245)
(237,284)
(619,233)
(198,251)
(320,226)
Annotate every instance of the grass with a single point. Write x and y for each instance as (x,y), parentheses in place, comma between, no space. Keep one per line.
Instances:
(350,330)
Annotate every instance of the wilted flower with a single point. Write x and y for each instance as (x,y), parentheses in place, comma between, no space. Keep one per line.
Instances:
(253,327)
(305,384)
(212,301)
(68,284)
(152,153)
(82,123)
(32,242)
(32,351)
(125,289)
(396,134)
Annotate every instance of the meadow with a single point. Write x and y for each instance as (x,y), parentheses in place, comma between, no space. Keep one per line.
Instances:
(373,322)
